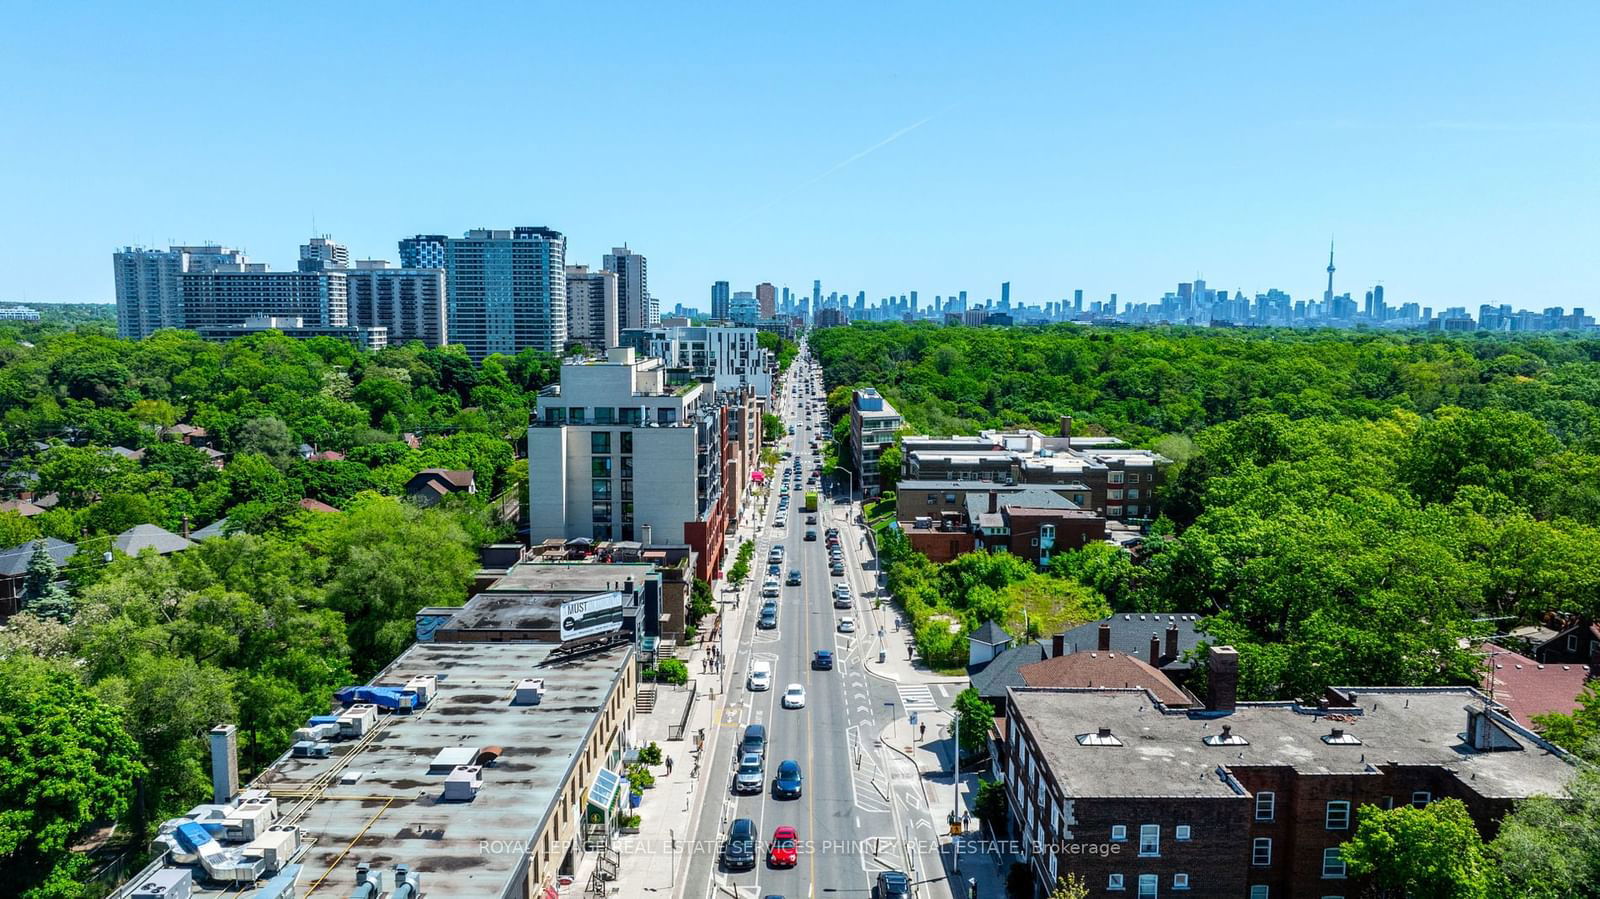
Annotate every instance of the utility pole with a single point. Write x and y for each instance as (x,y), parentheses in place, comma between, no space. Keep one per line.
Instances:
(955,798)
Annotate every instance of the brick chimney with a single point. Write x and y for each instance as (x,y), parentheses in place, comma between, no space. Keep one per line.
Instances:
(1155,650)
(1058,645)
(1105,636)
(994,501)
(1172,641)
(1222,678)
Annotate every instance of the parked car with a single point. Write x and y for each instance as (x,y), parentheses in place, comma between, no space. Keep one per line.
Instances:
(847,625)
(769,617)
(836,569)
(739,849)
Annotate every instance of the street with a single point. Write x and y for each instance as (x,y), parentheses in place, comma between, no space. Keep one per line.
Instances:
(864,807)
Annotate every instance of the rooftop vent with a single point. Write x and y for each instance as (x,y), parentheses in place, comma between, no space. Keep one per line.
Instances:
(1226,738)
(530,691)
(462,784)
(1337,737)
(1101,737)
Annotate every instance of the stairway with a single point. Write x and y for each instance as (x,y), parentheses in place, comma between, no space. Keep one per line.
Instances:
(645,700)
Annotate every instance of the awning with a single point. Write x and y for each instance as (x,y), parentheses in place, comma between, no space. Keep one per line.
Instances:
(603,792)
(757,476)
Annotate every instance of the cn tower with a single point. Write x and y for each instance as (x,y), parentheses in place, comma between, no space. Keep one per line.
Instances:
(1328,297)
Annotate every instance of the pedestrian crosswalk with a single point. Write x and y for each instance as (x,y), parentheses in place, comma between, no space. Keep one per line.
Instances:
(918,699)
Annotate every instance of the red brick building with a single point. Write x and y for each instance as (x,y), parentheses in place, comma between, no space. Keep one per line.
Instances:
(1247,799)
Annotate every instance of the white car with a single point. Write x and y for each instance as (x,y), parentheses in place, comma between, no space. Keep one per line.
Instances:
(770,588)
(847,625)
(781,522)
(794,697)
(760,679)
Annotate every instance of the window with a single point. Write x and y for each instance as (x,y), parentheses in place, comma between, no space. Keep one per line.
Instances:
(1266,806)
(1421,798)
(602,489)
(1114,494)
(1332,863)
(1150,839)
(1114,882)
(1337,816)
(1119,833)
(1181,832)
(1047,532)
(1258,891)
(1133,477)
(1261,852)
(1388,803)
(950,498)
(627,441)
(602,512)
(931,499)
(600,443)
(1180,881)
(604,415)
(1114,511)
(600,466)
(1133,493)
(1147,885)
(1114,477)
(575,415)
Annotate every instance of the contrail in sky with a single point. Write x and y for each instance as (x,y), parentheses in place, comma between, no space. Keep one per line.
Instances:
(858,156)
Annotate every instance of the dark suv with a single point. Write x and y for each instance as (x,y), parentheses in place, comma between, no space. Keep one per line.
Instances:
(739,852)
(891,885)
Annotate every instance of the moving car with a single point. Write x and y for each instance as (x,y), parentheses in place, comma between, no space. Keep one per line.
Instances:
(752,774)
(754,740)
(760,677)
(789,780)
(811,535)
(811,519)
(847,625)
(794,577)
(892,885)
(822,660)
(739,850)
(785,849)
(794,697)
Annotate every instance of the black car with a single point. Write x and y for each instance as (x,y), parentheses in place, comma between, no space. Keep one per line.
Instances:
(794,577)
(811,536)
(892,885)
(754,740)
(822,660)
(739,852)
(832,532)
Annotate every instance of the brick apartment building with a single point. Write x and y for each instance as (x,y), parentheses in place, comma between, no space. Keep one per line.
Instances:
(943,519)
(1247,799)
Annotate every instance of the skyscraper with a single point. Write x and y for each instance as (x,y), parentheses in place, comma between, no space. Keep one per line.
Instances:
(592,308)
(408,302)
(816,294)
(635,308)
(507,290)
(149,295)
(743,308)
(766,299)
(719,301)
(1005,294)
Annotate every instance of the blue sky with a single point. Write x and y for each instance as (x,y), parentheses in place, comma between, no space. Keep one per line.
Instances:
(1450,148)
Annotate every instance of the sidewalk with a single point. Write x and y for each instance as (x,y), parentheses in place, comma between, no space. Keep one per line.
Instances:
(982,863)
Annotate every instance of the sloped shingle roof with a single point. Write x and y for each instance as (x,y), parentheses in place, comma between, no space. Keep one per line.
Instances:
(14,561)
(136,538)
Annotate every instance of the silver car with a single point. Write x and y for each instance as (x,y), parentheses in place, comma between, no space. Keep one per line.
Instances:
(752,776)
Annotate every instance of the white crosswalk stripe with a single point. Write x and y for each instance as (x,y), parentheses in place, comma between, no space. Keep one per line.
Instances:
(917,699)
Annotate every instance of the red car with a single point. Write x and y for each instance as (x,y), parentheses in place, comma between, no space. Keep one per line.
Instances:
(785,851)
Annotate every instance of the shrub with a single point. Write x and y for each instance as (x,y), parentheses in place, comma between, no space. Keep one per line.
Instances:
(673,671)
(650,755)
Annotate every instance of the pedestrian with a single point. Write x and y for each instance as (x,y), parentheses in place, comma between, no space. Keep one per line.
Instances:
(669,766)
(924,730)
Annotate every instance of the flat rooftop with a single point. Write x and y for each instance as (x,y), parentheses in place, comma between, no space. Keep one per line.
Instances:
(394,815)
(571,577)
(1162,754)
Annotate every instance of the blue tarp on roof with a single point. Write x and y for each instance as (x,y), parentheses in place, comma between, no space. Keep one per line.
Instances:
(382,697)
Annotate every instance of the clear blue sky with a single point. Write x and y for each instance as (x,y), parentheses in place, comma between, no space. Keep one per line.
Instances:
(1451,150)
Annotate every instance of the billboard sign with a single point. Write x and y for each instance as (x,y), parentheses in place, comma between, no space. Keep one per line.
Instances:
(596,614)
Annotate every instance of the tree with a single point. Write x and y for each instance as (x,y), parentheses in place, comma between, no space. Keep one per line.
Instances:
(701,601)
(68,764)
(1434,852)
(46,598)
(16,530)
(1550,848)
(1070,887)
(1578,731)
(889,466)
(772,427)
(992,804)
(977,718)
(266,436)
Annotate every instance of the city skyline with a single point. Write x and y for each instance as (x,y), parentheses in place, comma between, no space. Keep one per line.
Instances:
(1107,150)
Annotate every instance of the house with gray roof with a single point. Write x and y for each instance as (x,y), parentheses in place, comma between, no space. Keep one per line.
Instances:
(148,536)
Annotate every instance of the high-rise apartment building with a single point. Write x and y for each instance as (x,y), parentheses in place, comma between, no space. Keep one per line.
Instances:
(227,296)
(873,424)
(149,295)
(507,290)
(636,309)
(408,302)
(743,308)
(767,300)
(323,252)
(625,455)
(719,301)
(423,251)
(591,308)
(731,357)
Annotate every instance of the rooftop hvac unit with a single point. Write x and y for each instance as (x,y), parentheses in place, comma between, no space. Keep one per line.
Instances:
(167,883)
(462,784)
(407,885)
(530,691)
(280,887)
(305,749)
(368,883)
